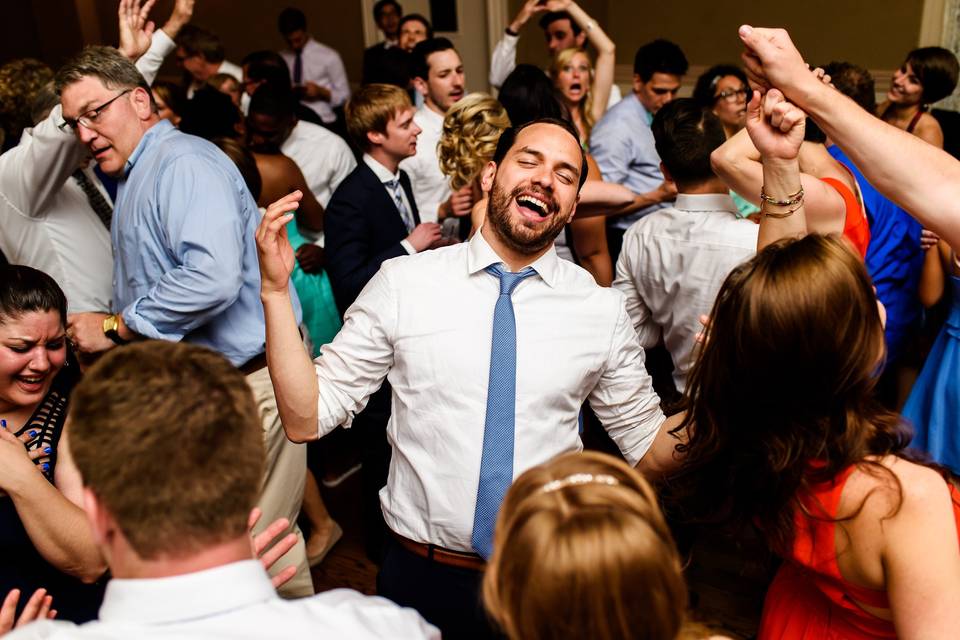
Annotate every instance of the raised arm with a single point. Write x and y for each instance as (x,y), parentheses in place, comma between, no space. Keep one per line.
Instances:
(606,52)
(138,40)
(504,57)
(291,369)
(917,176)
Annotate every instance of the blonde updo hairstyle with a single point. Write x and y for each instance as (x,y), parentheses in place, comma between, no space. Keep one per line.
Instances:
(582,550)
(471,130)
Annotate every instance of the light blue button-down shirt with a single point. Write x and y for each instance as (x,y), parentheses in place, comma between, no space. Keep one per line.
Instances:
(185,259)
(622,144)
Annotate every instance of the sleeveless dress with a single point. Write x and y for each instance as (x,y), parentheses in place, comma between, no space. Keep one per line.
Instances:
(934,402)
(856,227)
(320,313)
(23,567)
(809,599)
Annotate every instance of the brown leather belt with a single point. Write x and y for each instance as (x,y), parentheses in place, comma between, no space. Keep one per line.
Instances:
(254,364)
(460,559)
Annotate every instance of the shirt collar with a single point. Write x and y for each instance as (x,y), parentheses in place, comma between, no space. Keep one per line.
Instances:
(155,131)
(705,202)
(186,597)
(481,255)
(383,174)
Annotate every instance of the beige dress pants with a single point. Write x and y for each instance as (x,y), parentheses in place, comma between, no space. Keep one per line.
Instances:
(283,480)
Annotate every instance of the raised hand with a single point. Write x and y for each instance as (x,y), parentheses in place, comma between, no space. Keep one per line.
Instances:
(772,60)
(775,126)
(136,32)
(527,11)
(274,251)
(182,12)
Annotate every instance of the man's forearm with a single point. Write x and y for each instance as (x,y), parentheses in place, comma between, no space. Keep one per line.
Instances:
(291,370)
(916,175)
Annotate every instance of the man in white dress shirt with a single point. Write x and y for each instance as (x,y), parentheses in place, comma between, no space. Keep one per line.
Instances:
(674,260)
(200,53)
(424,323)
(316,70)
(167,486)
(438,76)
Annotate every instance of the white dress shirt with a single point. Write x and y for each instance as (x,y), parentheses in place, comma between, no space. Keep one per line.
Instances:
(322,66)
(385,176)
(425,323)
(430,186)
(504,61)
(323,157)
(672,265)
(46,221)
(232,601)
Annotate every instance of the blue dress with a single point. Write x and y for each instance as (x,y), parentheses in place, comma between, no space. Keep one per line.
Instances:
(320,313)
(934,403)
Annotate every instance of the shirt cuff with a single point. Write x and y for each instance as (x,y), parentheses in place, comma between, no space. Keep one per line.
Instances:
(409,247)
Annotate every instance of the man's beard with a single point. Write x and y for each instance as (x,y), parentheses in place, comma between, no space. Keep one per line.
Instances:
(518,234)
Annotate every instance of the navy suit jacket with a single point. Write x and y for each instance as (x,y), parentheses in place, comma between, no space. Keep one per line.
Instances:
(362,227)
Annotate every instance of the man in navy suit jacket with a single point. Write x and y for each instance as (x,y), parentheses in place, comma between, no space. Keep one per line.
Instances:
(373,217)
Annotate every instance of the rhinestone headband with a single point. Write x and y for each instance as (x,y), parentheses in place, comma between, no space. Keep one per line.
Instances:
(577,479)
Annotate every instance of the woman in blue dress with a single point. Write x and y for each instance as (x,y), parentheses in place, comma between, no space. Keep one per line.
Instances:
(934,403)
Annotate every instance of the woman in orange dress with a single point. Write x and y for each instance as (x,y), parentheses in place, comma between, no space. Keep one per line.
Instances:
(799,446)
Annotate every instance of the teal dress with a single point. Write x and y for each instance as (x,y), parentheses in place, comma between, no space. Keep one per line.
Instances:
(320,314)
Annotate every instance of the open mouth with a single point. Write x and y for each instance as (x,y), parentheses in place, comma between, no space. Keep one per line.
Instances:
(533,207)
(99,153)
(31,384)
(456,94)
(576,87)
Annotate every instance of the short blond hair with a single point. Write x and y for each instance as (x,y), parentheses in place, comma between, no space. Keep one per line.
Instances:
(582,550)
(370,109)
(471,130)
(167,436)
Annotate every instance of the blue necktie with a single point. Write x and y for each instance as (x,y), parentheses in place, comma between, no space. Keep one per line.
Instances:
(394,186)
(496,463)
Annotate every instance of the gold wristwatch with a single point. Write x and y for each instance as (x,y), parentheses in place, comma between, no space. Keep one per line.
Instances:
(111,328)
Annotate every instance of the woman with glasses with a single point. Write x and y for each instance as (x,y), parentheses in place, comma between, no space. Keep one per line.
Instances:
(723,89)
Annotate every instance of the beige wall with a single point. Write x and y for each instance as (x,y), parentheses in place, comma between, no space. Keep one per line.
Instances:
(874,34)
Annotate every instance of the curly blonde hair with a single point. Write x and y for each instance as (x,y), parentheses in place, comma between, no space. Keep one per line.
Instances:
(561,60)
(471,130)
(20,81)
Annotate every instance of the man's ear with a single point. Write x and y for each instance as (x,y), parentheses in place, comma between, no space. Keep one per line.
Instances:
(487,176)
(637,83)
(580,38)
(421,86)
(142,103)
(375,138)
(101,524)
(573,210)
(666,174)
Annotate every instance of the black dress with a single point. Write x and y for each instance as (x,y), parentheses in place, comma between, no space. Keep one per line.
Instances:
(21,565)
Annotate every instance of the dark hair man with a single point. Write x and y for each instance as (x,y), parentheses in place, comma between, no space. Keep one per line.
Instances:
(201,54)
(386,62)
(317,72)
(675,259)
(498,401)
(622,142)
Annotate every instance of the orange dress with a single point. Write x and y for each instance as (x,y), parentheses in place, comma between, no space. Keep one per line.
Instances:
(856,227)
(809,599)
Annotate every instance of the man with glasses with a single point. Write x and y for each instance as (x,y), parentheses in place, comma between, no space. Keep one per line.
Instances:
(622,143)
(185,266)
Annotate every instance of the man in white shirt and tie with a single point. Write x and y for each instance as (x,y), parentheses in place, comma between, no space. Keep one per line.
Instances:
(316,70)
(674,260)
(438,76)
(167,485)
(484,385)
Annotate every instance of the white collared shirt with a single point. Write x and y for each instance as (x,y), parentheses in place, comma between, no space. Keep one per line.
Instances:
(384,175)
(322,66)
(425,323)
(430,186)
(323,157)
(232,601)
(672,265)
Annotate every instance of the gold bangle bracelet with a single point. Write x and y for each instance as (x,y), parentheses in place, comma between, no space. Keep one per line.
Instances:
(792,199)
(785,214)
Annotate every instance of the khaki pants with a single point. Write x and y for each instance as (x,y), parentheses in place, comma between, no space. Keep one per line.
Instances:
(284,476)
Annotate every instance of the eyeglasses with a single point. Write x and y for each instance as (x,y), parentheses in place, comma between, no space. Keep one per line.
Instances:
(89,119)
(732,95)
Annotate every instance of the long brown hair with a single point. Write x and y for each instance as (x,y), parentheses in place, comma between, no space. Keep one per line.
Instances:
(582,551)
(785,379)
